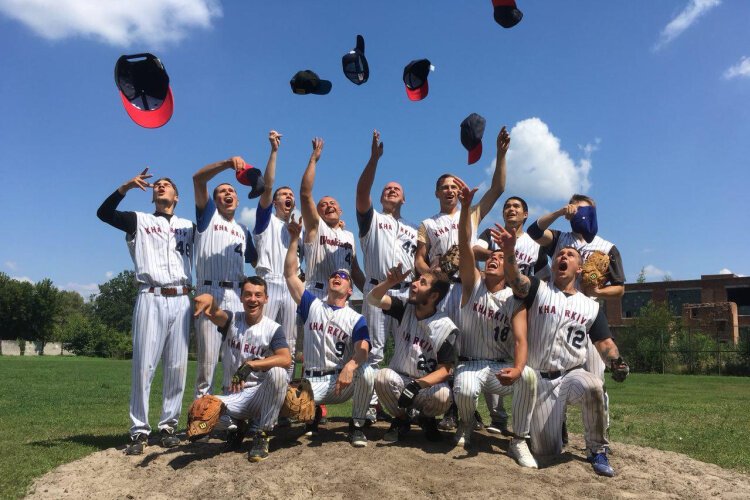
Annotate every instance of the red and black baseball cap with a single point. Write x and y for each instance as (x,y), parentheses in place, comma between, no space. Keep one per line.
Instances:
(415,79)
(355,64)
(144,89)
(472,131)
(507,14)
(308,82)
(252,177)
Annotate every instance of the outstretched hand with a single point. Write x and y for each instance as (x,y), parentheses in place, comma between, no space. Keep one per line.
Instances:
(466,195)
(294,228)
(504,239)
(275,139)
(203,305)
(139,181)
(377,146)
(503,141)
(317,145)
(395,275)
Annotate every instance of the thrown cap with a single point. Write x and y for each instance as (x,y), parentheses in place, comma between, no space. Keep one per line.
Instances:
(355,64)
(506,13)
(415,79)
(252,177)
(144,89)
(472,130)
(308,82)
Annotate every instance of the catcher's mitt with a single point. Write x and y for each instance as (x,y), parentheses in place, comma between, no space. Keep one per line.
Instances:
(299,401)
(203,415)
(620,369)
(595,269)
(449,261)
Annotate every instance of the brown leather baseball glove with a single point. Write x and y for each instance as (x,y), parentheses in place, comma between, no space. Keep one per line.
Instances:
(299,401)
(595,269)
(449,261)
(203,415)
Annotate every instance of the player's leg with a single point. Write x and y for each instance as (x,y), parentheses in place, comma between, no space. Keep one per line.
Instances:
(434,400)
(388,385)
(546,420)
(208,343)
(594,364)
(468,383)
(585,389)
(288,320)
(524,391)
(174,360)
(230,301)
(266,402)
(498,415)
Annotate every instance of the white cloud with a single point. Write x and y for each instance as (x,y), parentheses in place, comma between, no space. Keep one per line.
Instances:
(11,265)
(247,217)
(115,22)
(538,168)
(109,274)
(739,70)
(653,273)
(84,289)
(725,271)
(686,18)
(22,278)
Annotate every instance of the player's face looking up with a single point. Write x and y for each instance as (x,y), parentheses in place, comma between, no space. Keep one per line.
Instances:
(253,299)
(447,192)
(392,196)
(341,283)
(283,201)
(329,211)
(165,194)
(514,213)
(225,198)
(421,292)
(494,264)
(567,264)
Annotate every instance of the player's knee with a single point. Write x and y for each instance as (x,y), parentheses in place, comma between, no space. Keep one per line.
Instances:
(442,400)
(464,387)
(277,376)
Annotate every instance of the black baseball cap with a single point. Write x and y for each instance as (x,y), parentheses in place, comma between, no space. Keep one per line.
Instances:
(308,82)
(144,89)
(415,79)
(472,131)
(507,14)
(252,177)
(355,64)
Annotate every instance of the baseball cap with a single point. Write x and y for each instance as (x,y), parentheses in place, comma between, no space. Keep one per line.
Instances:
(472,130)
(415,79)
(252,177)
(355,64)
(506,13)
(342,271)
(144,89)
(308,82)
(584,223)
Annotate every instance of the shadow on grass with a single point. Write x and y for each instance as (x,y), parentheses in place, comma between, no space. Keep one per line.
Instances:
(99,442)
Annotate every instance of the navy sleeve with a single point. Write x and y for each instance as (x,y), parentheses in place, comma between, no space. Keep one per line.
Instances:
(251,253)
(278,341)
(533,289)
(303,309)
(535,231)
(555,239)
(541,259)
(447,353)
(364,221)
(360,332)
(203,217)
(600,329)
(486,236)
(397,309)
(262,218)
(223,330)
(124,221)
(616,271)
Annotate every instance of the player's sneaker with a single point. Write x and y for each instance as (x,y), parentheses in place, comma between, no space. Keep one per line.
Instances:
(430,428)
(235,437)
(311,429)
(225,423)
(259,450)
(398,429)
(449,419)
(137,444)
(478,424)
(372,416)
(463,435)
(168,438)
(356,436)
(600,463)
(565,432)
(519,450)
(499,426)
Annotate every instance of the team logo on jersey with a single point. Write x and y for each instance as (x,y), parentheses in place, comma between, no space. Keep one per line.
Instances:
(567,313)
(335,242)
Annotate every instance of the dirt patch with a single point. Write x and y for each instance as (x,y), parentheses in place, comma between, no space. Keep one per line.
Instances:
(329,467)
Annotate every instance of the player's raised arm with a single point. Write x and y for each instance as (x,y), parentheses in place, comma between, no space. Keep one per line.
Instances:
(291,261)
(519,324)
(125,221)
(307,203)
(366,179)
(421,262)
(467,269)
(519,283)
(497,186)
(269,176)
(202,176)
(378,296)
(205,304)
(539,229)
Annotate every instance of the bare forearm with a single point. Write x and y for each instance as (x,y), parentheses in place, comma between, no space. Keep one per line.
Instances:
(607,350)
(611,291)
(519,283)
(282,358)
(377,296)
(364,185)
(269,177)
(546,220)
(361,353)
(209,171)
(436,377)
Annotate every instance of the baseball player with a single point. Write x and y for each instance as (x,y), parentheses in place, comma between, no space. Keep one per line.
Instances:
(424,353)
(272,240)
(532,260)
(560,320)
(492,346)
(221,250)
(328,246)
(258,346)
(386,240)
(161,246)
(336,344)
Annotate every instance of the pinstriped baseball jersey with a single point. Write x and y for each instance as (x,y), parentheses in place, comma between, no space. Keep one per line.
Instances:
(272,245)
(328,340)
(332,249)
(246,343)
(558,325)
(417,342)
(570,240)
(220,250)
(387,243)
(486,324)
(527,251)
(440,232)
(162,250)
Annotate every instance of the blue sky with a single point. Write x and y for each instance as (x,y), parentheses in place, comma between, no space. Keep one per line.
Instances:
(642,105)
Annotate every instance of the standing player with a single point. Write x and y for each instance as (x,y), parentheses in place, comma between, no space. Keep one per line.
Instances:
(328,246)
(560,319)
(257,345)
(387,240)
(492,346)
(424,353)
(161,246)
(221,250)
(336,344)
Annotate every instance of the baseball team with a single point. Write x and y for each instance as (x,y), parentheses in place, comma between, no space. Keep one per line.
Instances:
(525,325)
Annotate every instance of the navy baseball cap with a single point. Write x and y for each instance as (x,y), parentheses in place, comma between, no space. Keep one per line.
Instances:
(252,177)
(355,64)
(144,89)
(308,82)
(584,223)
(507,14)
(415,79)
(472,130)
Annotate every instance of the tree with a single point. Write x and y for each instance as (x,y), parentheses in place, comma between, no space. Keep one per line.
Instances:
(646,341)
(116,300)
(46,304)
(641,276)
(16,308)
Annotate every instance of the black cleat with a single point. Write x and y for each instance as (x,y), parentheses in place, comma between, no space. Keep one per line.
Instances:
(449,419)
(565,433)
(259,450)
(168,438)
(137,444)
(430,428)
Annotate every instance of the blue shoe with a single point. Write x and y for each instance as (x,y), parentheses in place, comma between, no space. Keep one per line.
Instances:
(601,466)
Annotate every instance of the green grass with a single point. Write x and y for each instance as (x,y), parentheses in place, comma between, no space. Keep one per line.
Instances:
(59,409)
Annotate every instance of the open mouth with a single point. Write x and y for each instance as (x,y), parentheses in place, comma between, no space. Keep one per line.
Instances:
(563,266)
(288,203)
(228,200)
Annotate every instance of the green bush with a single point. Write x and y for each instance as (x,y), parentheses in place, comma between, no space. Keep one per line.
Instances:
(85,336)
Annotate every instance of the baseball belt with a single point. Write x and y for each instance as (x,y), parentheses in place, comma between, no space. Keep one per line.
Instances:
(497,360)
(222,284)
(321,373)
(169,291)
(556,374)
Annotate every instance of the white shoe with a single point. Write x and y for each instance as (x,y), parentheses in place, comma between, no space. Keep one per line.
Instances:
(519,450)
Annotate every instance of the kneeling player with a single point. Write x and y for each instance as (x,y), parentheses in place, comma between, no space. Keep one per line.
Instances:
(336,344)
(258,346)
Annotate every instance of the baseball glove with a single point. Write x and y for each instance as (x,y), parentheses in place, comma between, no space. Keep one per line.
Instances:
(595,269)
(449,261)
(241,374)
(203,415)
(406,399)
(299,401)
(620,369)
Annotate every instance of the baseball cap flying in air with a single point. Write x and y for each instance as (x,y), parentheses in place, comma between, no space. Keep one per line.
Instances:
(472,130)
(506,13)
(144,89)
(252,177)
(584,223)
(415,79)
(308,82)
(355,64)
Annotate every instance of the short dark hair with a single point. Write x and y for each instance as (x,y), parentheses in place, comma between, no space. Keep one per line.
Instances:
(580,255)
(216,189)
(440,285)
(257,281)
(279,189)
(521,200)
(174,186)
(441,179)
(582,197)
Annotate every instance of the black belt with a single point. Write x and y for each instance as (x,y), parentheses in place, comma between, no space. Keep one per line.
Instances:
(498,360)
(223,284)
(397,286)
(320,373)
(169,291)
(556,374)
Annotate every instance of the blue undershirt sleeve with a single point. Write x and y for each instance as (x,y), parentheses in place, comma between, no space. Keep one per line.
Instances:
(278,341)
(303,309)
(262,218)
(203,217)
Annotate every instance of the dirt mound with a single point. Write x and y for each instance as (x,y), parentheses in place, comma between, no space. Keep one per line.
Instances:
(329,467)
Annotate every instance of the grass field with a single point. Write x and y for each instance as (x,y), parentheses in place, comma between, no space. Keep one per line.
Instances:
(58,409)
